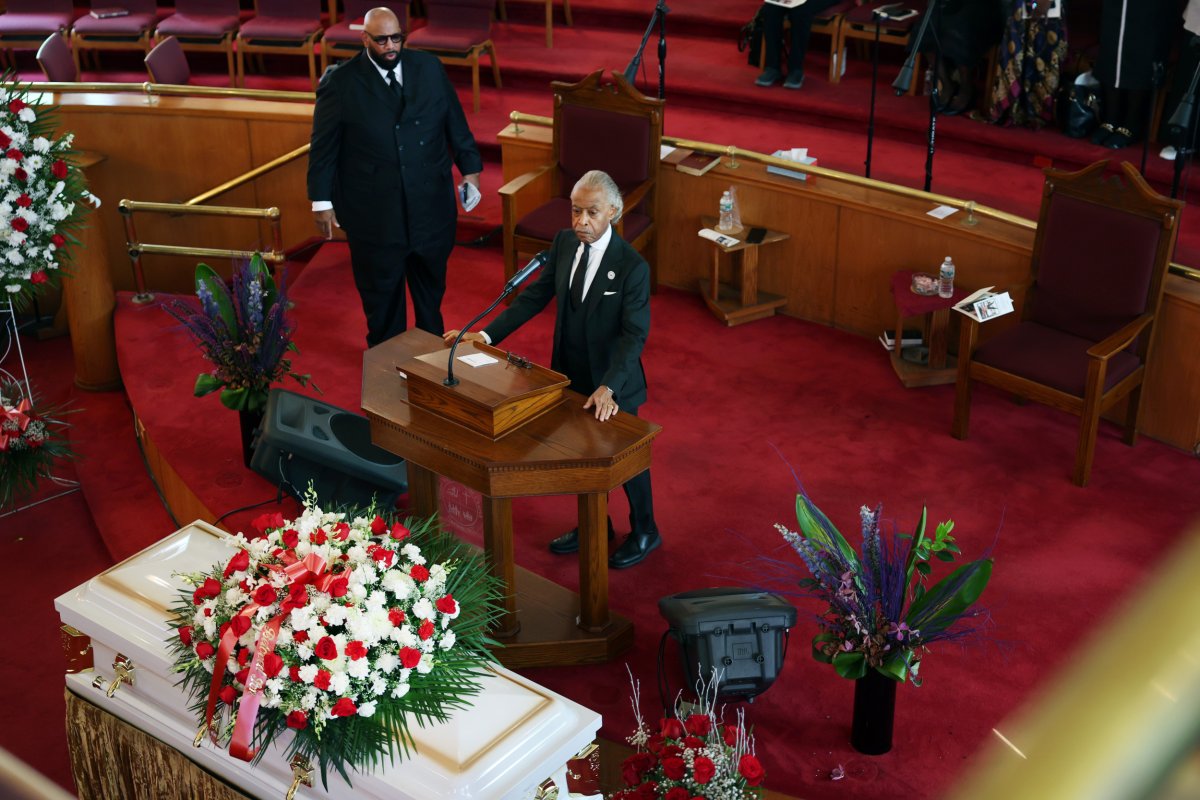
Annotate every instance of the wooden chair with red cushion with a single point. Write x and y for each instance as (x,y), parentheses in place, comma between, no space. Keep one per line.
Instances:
(290,27)
(26,24)
(610,127)
(459,32)
(1100,257)
(204,26)
(131,31)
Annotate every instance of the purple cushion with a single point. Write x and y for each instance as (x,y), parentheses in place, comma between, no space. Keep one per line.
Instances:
(1094,268)
(1050,357)
(209,25)
(447,37)
(290,28)
(595,139)
(33,24)
(341,34)
(130,25)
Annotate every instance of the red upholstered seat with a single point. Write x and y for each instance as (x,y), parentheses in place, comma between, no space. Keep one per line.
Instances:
(1099,261)
(459,32)
(130,32)
(54,57)
(128,25)
(18,24)
(27,23)
(167,63)
(204,26)
(281,26)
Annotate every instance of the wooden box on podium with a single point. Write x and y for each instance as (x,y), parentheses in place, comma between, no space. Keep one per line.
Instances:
(493,398)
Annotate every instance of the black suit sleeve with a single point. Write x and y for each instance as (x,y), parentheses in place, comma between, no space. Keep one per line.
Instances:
(458,133)
(625,361)
(326,140)
(531,301)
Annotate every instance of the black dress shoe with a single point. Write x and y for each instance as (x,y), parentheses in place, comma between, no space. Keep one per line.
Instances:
(1102,133)
(1121,137)
(569,542)
(635,548)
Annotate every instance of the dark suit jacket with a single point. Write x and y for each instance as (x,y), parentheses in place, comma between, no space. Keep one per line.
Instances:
(387,170)
(617,309)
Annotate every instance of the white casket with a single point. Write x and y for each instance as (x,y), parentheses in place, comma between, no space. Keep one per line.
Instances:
(516,735)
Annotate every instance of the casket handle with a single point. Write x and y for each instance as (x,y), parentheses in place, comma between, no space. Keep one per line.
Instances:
(301,774)
(123,669)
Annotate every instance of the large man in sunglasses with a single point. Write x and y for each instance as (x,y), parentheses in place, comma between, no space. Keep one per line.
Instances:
(387,128)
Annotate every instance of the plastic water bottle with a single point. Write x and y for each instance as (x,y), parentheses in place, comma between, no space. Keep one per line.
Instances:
(726,221)
(946,279)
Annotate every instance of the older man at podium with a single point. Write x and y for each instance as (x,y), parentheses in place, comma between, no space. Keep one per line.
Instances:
(602,286)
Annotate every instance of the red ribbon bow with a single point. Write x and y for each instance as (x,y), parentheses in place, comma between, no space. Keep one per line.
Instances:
(14,414)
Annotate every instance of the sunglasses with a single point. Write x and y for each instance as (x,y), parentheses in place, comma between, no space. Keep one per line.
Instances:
(394,38)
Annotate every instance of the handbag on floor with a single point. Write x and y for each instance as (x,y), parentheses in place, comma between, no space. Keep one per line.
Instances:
(1083,108)
(750,39)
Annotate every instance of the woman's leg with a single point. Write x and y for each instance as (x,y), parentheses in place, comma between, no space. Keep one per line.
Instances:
(772,19)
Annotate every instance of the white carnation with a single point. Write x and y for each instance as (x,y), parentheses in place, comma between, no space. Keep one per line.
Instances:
(400,690)
(425,665)
(339,683)
(309,701)
(423,609)
(413,553)
(27,114)
(448,639)
(359,668)
(366,709)
(308,672)
(387,663)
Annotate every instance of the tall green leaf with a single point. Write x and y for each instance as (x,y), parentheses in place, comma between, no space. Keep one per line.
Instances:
(950,597)
(208,280)
(816,526)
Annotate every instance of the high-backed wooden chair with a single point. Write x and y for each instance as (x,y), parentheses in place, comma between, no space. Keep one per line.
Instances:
(131,31)
(281,26)
(828,22)
(204,26)
(167,63)
(610,127)
(54,57)
(342,41)
(459,32)
(859,24)
(1100,255)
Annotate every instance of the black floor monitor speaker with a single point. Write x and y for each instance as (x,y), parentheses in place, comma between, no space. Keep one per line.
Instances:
(304,441)
(742,633)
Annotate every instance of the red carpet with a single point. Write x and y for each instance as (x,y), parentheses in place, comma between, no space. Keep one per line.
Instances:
(727,398)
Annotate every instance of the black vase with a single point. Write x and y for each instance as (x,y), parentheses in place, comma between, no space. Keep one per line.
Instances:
(250,422)
(874,712)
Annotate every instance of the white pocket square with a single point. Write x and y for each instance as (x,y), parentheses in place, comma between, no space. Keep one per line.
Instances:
(607,294)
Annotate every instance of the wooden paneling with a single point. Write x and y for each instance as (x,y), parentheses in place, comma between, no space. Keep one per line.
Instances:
(1170,411)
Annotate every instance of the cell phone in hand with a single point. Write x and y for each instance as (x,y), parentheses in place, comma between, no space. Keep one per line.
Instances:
(756,235)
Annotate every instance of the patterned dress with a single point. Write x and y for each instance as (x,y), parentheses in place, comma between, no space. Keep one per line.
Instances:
(1030,63)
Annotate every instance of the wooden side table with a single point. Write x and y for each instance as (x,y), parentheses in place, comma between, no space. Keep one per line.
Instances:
(742,303)
(935,314)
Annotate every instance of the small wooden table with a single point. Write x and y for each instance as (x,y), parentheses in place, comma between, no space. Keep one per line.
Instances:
(743,303)
(935,312)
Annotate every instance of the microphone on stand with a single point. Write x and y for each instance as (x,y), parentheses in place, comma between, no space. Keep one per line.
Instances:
(516,280)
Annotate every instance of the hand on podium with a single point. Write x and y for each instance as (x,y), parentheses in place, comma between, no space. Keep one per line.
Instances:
(449,336)
(604,402)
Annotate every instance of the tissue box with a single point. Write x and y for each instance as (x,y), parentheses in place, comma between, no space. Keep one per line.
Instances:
(789,173)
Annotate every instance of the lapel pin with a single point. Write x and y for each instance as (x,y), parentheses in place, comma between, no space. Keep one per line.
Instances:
(611,275)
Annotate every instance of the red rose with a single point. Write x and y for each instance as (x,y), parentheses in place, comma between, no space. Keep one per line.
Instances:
(321,679)
(272,664)
(294,674)
(674,768)
(210,588)
(378,526)
(240,624)
(672,728)
(729,735)
(298,720)
(14,154)
(636,766)
(751,769)
(648,791)
(59,169)
(326,648)
(185,635)
(383,555)
(300,637)
(243,656)
(399,532)
(318,536)
(20,224)
(58,240)
(291,538)
(655,744)
(21,175)
(204,650)
(265,595)
(344,708)
(418,573)
(409,657)
(671,751)
(265,522)
(355,650)
(16,105)
(698,724)
(426,630)
(39,276)
(339,587)
(703,769)
(341,531)
(677,793)
(693,742)
(447,604)
(396,617)
(208,612)
(297,598)
(228,695)
(4,141)
(24,201)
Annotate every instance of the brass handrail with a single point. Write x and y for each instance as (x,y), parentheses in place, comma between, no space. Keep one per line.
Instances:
(273,256)
(249,176)
(166,89)
(130,206)
(518,117)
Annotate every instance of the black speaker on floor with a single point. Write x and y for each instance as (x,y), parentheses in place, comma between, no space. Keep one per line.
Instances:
(742,633)
(305,441)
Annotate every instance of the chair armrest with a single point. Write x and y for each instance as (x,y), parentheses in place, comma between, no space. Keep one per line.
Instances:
(1118,341)
(526,192)
(638,194)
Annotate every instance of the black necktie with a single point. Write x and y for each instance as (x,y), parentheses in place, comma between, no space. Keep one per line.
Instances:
(394,83)
(580,276)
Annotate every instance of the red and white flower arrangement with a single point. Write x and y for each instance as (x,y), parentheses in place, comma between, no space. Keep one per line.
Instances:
(40,194)
(338,629)
(31,440)
(693,755)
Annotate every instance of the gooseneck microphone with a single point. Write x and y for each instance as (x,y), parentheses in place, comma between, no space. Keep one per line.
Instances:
(516,280)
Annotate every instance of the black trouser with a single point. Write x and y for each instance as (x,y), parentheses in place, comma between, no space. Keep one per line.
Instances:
(380,274)
(801,18)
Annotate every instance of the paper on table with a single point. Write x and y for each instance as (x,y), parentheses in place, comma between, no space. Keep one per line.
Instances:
(478,359)
(941,212)
(665,150)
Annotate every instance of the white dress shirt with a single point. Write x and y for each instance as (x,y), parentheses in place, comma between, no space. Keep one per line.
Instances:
(595,256)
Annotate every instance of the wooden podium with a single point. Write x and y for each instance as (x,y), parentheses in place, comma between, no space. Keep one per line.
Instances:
(555,447)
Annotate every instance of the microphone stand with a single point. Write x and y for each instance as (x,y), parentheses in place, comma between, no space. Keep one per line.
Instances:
(879,15)
(1156,80)
(1182,120)
(659,16)
(904,81)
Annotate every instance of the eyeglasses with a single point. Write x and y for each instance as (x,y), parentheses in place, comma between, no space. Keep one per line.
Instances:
(518,361)
(394,38)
